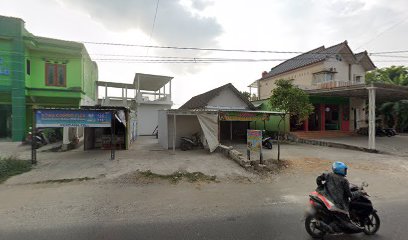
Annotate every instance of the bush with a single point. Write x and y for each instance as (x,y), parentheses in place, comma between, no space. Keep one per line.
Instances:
(12,166)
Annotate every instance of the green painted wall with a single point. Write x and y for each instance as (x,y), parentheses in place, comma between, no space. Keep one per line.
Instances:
(328,100)
(272,124)
(36,79)
(12,49)
(5,63)
(22,91)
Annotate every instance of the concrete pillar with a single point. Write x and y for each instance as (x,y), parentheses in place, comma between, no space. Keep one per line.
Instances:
(371,117)
(170,90)
(65,138)
(322,117)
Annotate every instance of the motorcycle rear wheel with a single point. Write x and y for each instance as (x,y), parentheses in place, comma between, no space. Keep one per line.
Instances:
(310,225)
(372,224)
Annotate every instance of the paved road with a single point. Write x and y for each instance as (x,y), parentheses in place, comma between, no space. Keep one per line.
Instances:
(280,221)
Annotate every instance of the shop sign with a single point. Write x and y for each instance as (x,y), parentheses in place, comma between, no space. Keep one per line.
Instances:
(254,140)
(72,118)
(243,116)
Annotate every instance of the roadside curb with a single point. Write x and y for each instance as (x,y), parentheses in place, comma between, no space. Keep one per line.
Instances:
(296,139)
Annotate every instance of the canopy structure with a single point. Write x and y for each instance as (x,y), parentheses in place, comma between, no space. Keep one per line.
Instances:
(379,92)
(209,123)
(150,82)
(384,92)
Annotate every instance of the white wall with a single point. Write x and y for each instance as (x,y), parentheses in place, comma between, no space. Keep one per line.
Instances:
(358,104)
(163,129)
(186,126)
(147,117)
(227,99)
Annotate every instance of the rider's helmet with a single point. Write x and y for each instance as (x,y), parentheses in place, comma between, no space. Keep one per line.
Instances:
(340,168)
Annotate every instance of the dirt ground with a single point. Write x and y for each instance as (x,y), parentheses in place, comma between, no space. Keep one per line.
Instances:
(96,190)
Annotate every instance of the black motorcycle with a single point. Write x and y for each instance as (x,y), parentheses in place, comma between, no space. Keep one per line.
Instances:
(190,143)
(322,216)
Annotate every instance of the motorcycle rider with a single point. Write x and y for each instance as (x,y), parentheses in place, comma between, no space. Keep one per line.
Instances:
(337,188)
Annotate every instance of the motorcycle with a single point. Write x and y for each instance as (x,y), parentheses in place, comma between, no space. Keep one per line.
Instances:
(38,138)
(190,143)
(390,132)
(321,217)
(267,142)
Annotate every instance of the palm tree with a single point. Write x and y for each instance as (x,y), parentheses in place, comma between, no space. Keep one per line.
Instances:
(396,113)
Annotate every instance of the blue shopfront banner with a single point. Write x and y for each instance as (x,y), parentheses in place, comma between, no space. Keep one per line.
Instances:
(72,118)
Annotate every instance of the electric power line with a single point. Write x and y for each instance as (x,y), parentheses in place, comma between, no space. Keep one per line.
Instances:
(154,22)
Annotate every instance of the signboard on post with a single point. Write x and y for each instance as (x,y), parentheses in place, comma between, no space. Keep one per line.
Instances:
(72,118)
(254,143)
(54,118)
(242,116)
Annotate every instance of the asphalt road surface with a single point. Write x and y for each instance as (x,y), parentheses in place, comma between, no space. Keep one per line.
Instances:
(280,221)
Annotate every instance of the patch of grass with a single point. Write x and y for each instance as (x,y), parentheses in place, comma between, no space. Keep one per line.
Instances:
(178,176)
(65,180)
(12,166)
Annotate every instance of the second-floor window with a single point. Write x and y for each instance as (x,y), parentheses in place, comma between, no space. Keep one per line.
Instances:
(323,77)
(55,75)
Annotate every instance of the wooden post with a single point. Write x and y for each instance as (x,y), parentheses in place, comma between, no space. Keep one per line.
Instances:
(174,132)
(33,145)
(113,136)
(231,130)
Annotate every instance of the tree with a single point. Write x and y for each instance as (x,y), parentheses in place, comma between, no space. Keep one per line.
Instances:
(247,95)
(290,100)
(397,75)
(395,112)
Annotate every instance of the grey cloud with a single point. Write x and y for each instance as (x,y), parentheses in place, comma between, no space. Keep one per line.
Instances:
(175,25)
(201,4)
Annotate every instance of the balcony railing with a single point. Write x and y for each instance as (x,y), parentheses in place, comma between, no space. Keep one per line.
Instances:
(154,98)
(334,84)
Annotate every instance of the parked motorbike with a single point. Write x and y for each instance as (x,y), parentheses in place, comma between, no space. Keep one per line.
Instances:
(190,143)
(267,142)
(39,138)
(379,132)
(390,132)
(321,217)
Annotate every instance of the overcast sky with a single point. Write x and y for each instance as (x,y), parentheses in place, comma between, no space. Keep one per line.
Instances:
(280,25)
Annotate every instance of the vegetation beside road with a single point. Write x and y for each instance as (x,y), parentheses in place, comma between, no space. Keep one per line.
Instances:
(12,166)
(175,177)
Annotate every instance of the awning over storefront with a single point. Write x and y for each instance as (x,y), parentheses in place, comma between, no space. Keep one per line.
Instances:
(209,121)
(248,116)
(376,92)
(384,92)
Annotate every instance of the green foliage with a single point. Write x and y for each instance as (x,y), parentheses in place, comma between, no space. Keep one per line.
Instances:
(291,100)
(11,166)
(396,112)
(246,94)
(397,75)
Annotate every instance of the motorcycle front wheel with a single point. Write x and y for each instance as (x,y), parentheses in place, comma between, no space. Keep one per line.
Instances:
(268,145)
(184,146)
(372,224)
(310,225)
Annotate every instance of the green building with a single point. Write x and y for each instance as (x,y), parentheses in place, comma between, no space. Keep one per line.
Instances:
(40,72)
(273,123)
